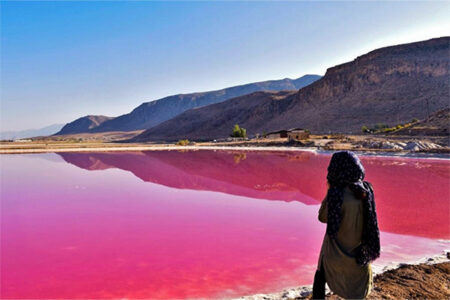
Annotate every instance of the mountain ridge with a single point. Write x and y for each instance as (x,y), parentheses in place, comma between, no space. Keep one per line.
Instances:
(152,113)
(83,124)
(388,85)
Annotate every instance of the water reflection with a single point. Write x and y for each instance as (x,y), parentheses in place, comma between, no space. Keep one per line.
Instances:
(196,224)
(411,193)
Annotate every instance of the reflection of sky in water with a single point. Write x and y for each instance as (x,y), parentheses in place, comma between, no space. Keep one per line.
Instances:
(194,224)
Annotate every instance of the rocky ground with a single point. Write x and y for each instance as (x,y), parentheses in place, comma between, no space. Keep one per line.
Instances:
(391,143)
(423,281)
(366,142)
(369,143)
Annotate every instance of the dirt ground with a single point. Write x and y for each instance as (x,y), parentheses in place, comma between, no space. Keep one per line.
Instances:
(412,282)
(421,281)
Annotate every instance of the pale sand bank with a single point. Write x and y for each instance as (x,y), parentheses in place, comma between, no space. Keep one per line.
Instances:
(150,148)
(103,148)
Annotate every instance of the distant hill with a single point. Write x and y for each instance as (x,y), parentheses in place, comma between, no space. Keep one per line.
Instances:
(28,133)
(83,124)
(152,113)
(390,85)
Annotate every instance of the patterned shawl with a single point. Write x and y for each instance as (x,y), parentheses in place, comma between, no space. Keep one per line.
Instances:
(345,169)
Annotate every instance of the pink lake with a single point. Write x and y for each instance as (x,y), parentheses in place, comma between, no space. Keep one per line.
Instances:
(194,224)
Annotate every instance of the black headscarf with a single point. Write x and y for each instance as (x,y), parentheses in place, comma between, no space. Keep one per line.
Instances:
(345,169)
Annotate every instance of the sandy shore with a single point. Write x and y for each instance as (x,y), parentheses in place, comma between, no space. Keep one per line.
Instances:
(380,145)
(427,278)
(148,148)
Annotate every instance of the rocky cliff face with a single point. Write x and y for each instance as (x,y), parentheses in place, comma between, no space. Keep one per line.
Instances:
(83,124)
(390,85)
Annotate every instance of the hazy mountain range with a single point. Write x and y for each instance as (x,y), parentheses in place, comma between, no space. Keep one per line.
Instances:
(152,113)
(20,134)
(390,85)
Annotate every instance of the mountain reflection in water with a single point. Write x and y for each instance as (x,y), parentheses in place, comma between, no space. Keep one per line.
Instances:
(196,224)
(411,193)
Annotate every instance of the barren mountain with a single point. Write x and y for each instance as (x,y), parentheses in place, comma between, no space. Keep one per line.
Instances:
(83,124)
(253,111)
(389,85)
(152,113)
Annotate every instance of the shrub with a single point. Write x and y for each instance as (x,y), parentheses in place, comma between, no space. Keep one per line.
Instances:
(239,132)
(184,142)
(388,129)
(381,126)
(414,120)
(364,128)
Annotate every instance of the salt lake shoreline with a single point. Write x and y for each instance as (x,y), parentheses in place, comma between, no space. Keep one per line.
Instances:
(291,293)
(377,152)
(305,291)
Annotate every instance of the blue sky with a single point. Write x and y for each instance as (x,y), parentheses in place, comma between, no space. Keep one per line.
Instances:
(62,60)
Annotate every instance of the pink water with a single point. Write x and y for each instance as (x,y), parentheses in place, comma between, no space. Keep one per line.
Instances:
(199,224)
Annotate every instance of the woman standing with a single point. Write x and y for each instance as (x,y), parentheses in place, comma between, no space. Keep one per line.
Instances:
(352,238)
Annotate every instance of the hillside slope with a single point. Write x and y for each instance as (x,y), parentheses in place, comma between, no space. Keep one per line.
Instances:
(437,123)
(152,113)
(83,124)
(390,85)
(216,121)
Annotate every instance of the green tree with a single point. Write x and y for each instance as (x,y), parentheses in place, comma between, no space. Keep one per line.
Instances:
(243,132)
(236,131)
(239,132)
(364,129)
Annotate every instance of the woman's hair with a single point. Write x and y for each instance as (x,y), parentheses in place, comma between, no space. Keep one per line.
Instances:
(358,193)
(344,168)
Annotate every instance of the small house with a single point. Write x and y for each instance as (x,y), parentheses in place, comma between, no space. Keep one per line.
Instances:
(297,135)
(277,134)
